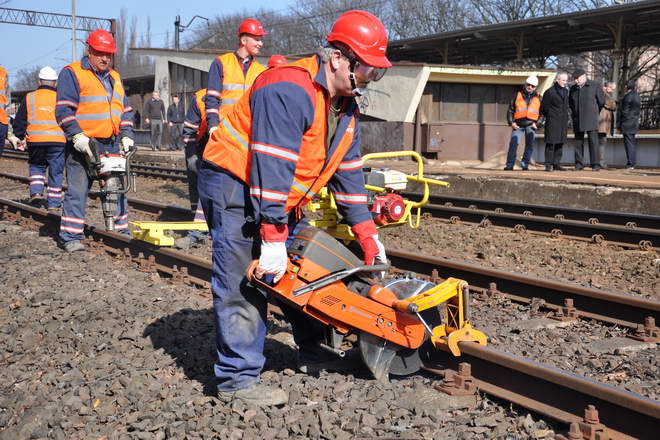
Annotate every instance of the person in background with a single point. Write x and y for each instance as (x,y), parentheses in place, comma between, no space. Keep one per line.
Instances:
(277,60)
(4,93)
(605,120)
(232,74)
(195,137)
(554,108)
(36,126)
(629,122)
(175,117)
(154,114)
(586,99)
(523,115)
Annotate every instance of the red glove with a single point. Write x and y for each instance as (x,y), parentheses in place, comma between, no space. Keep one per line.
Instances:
(367,235)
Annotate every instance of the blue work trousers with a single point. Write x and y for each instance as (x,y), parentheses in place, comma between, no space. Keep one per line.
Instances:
(517,137)
(42,157)
(78,186)
(240,308)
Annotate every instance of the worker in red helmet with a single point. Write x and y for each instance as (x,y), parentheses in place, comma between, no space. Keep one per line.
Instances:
(294,132)
(277,60)
(233,73)
(91,104)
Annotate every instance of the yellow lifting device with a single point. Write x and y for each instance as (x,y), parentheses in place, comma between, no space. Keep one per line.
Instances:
(154,232)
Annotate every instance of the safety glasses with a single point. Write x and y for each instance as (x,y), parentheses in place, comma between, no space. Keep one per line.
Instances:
(367,73)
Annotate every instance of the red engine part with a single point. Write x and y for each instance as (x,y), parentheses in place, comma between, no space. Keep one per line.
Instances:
(389,208)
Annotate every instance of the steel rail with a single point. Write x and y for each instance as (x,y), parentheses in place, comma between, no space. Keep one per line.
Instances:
(555,393)
(611,307)
(586,215)
(643,237)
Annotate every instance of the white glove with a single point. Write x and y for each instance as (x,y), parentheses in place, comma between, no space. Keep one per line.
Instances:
(273,259)
(212,129)
(126,144)
(81,143)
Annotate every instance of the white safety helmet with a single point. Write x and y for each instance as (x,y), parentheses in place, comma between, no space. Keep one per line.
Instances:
(532,80)
(48,74)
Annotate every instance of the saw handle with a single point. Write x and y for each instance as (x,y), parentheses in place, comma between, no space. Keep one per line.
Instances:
(386,297)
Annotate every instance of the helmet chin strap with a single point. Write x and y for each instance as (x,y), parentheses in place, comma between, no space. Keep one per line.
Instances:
(357,91)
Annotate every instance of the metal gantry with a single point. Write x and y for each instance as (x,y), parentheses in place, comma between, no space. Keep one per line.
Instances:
(54,20)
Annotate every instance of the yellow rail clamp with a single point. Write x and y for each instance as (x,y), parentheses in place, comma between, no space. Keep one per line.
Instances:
(456,327)
(154,232)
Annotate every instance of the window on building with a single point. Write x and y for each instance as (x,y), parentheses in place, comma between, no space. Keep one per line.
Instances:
(462,102)
(185,81)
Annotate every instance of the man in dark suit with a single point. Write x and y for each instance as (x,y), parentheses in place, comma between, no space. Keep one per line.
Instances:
(554,107)
(629,122)
(586,99)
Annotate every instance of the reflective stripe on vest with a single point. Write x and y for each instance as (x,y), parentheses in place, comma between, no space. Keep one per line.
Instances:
(529,111)
(229,146)
(98,114)
(3,97)
(41,124)
(234,82)
(201,106)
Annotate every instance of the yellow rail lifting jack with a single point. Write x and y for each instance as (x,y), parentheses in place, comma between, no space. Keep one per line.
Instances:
(154,232)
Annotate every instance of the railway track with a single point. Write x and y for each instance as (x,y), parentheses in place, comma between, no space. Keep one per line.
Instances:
(555,393)
(562,298)
(596,225)
(620,228)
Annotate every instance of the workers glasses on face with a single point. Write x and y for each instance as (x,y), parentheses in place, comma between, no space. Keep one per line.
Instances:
(363,72)
(530,86)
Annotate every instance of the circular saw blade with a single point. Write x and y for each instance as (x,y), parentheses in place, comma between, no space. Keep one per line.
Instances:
(383,357)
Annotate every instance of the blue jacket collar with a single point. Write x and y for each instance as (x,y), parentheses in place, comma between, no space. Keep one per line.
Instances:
(320,77)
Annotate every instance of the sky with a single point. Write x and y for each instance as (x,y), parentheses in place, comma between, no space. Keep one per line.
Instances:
(25,46)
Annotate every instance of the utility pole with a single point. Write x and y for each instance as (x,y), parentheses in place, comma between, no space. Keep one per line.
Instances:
(178,28)
(74,51)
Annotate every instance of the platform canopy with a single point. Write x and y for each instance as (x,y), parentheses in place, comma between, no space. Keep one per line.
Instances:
(613,27)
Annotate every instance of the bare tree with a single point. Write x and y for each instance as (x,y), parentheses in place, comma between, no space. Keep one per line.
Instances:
(27,78)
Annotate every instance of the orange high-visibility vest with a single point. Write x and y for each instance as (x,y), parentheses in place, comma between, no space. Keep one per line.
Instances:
(523,110)
(3,96)
(234,82)
(230,145)
(201,106)
(42,126)
(98,114)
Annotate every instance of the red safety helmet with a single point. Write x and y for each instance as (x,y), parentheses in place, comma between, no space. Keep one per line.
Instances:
(277,60)
(102,41)
(365,34)
(251,26)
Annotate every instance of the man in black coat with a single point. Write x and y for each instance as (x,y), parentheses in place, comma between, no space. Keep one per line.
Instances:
(629,121)
(554,107)
(586,99)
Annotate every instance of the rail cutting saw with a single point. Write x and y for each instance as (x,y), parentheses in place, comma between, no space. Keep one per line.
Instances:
(326,281)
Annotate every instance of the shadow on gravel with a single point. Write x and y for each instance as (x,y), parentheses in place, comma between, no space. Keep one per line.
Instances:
(188,337)
(179,191)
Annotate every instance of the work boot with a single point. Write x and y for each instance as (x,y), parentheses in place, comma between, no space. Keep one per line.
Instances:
(73,246)
(548,167)
(258,394)
(313,362)
(559,168)
(36,200)
(508,169)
